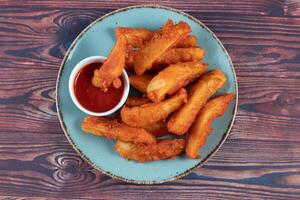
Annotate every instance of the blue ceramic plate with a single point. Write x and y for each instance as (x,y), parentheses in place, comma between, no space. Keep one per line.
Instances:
(98,39)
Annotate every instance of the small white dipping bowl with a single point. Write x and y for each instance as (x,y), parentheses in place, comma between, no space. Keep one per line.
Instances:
(72,78)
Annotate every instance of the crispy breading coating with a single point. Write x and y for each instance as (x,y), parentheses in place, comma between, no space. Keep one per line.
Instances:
(187,41)
(135,37)
(175,55)
(157,129)
(163,149)
(159,44)
(112,129)
(112,68)
(151,113)
(133,101)
(129,59)
(172,56)
(208,84)
(201,127)
(172,78)
(140,82)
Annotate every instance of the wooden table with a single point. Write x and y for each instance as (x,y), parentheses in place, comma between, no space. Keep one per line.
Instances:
(259,160)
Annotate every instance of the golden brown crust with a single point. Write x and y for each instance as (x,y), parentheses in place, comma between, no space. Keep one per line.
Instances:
(135,37)
(151,113)
(133,101)
(171,56)
(112,68)
(158,44)
(188,41)
(175,76)
(163,149)
(129,59)
(175,55)
(140,82)
(201,127)
(169,24)
(201,91)
(157,129)
(112,129)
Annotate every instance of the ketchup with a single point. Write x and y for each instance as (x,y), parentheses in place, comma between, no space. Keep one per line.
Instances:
(91,97)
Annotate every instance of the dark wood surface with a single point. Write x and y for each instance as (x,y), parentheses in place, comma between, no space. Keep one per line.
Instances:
(259,160)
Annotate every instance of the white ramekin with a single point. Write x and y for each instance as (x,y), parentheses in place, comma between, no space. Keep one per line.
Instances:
(73,75)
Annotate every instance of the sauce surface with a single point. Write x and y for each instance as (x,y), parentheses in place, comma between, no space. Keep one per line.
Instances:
(91,97)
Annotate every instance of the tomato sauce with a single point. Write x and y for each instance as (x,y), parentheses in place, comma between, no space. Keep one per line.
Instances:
(92,98)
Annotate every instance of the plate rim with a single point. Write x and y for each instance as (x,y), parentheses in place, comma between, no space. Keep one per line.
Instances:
(79,151)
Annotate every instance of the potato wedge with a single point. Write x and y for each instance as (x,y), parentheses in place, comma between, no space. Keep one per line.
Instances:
(151,113)
(157,129)
(176,55)
(172,78)
(112,68)
(160,43)
(140,82)
(181,120)
(163,149)
(188,41)
(135,37)
(112,129)
(201,127)
(133,101)
(171,56)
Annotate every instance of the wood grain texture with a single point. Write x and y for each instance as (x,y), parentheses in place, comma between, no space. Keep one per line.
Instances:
(260,159)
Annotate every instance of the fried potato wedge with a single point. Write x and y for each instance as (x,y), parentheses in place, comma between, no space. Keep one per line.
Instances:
(201,127)
(136,101)
(112,129)
(129,59)
(188,41)
(167,26)
(160,43)
(176,55)
(140,82)
(151,113)
(157,129)
(163,149)
(171,56)
(172,78)
(135,37)
(181,120)
(112,68)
